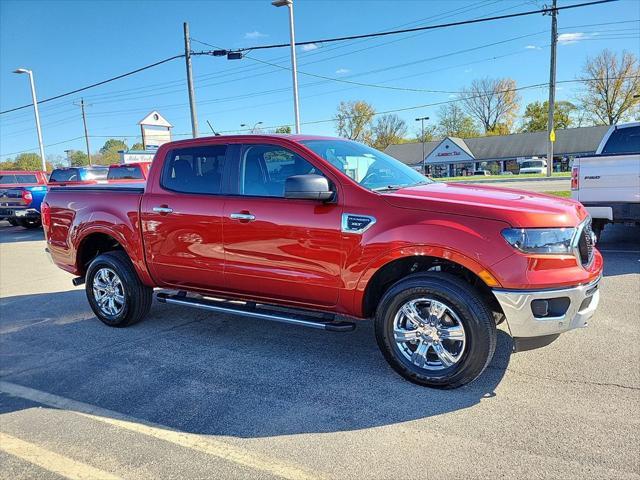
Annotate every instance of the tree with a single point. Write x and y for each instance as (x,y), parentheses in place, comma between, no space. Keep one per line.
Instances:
(353,120)
(78,158)
(453,122)
(430,132)
(283,129)
(536,115)
(137,146)
(28,161)
(109,152)
(492,101)
(388,129)
(610,86)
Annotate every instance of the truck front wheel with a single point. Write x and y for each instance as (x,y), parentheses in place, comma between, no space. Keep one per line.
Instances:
(435,330)
(115,293)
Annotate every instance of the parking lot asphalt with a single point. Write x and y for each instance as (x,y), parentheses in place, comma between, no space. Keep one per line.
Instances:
(191,394)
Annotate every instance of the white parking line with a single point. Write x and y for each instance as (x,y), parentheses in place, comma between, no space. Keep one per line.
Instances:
(51,461)
(200,443)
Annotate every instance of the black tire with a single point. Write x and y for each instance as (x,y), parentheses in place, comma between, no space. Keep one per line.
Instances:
(471,311)
(597,226)
(30,223)
(12,221)
(137,296)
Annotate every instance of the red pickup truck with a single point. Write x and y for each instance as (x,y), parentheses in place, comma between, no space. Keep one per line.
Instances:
(323,232)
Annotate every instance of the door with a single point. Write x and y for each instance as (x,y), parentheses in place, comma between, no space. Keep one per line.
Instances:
(278,248)
(182,219)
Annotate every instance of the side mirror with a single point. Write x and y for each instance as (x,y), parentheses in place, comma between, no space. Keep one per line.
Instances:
(307,187)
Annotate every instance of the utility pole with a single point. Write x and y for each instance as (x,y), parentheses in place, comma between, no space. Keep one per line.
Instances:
(37,114)
(552,87)
(192,94)
(424,160)
(86,133)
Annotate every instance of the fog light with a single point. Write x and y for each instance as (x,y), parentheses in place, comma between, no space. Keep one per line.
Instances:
(540,308)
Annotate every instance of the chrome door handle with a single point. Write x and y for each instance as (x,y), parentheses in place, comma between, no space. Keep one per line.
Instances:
(247,217)
(163,210)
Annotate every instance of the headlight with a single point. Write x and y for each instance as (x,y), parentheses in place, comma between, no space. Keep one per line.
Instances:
(555,241)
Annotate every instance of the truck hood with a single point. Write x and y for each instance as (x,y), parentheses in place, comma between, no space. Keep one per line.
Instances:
(518,208)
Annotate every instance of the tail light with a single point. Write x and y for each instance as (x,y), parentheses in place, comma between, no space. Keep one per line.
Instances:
(45,215)
(575,178)
(27,197)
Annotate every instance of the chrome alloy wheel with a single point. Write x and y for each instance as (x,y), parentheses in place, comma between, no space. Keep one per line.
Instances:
(429,334)
(108,292)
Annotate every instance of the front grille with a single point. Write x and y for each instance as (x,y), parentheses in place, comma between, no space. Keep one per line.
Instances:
(585,244)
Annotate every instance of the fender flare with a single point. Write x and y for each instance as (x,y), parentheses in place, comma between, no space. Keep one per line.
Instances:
(425,250)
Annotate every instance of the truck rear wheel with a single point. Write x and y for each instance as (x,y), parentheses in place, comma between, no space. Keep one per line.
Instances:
(115,293)
(435,330)
(30,223)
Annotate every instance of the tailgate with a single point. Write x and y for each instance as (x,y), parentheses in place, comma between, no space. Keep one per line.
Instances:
(12,197)
(609,178)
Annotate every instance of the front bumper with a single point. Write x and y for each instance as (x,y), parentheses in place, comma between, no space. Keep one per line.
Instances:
(523,323)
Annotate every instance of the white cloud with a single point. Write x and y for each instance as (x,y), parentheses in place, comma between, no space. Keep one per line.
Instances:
(255,34)
(566,38)
(308,47)
(532,47)
(342,71)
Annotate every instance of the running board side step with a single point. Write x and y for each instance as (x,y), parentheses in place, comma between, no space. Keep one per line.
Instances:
(223,306)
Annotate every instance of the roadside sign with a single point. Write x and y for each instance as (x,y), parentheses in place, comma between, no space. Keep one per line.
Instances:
(552,136)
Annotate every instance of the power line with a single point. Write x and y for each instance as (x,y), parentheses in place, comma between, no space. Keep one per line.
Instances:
(132,72)
(326,40)
(428,27)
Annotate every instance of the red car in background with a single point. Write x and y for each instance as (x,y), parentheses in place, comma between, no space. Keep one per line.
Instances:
(129,172)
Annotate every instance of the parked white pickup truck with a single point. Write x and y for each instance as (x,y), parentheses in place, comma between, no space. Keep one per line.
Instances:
(608,183)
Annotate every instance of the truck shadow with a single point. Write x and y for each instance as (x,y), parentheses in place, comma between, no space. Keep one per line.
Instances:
(221,375)
(11,234)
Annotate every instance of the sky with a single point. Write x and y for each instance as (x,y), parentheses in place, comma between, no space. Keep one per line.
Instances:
(70,44)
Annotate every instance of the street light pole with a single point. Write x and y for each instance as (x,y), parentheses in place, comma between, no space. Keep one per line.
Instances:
(424,160)
(253,129)
(37,114)
(294,63)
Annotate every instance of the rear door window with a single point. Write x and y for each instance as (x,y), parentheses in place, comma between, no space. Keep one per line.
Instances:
(195,169)
(623,140)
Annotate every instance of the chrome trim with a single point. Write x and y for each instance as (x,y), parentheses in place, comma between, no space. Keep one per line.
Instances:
(162,210)
(516,305)
(575,241)
(345,223)
(242,216)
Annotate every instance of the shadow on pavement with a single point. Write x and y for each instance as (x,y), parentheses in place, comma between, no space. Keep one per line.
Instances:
(210,374)
(11,234)
(620,247)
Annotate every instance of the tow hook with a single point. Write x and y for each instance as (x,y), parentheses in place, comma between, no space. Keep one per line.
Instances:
(78,281)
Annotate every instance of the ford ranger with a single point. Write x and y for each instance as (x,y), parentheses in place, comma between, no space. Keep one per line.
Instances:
(323,232)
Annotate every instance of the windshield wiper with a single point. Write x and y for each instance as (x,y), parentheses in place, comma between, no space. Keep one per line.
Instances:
(391,188)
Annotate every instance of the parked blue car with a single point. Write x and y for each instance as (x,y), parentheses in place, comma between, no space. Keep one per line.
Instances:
(21,194)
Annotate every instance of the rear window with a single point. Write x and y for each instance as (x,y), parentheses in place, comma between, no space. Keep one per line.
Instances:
(7,179)
(125,172)
(64,175)
(94,174)
(195,169)
(623,140)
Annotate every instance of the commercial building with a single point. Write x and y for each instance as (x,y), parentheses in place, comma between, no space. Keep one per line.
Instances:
(452,157)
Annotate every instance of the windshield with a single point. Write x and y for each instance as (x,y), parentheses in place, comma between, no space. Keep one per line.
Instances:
(369,167)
